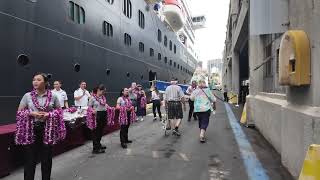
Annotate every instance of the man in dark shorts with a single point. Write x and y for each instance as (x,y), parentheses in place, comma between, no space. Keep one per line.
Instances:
(174,98)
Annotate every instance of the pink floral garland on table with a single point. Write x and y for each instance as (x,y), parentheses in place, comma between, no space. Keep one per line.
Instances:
(55,129)
(91,119)
(24,128)
(110,115)
(36,102)
(71,110)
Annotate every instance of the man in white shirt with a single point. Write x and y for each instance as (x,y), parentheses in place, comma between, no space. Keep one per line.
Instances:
(174,98)
(81,95)
(61,94)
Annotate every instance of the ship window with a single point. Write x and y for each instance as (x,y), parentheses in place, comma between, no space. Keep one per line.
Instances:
(127,8)
(76,67)
(159,35)
(151,52)
(110,1)
(23,60)
(175,49)
(141,19)
(76,13)
(170,45)
(159,56)
(174,64)
(127,39)
(108,72)
(107,29)
(165,41)
(170,62)
(141,47)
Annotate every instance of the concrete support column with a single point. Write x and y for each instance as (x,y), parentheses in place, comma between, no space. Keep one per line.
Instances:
(235,72)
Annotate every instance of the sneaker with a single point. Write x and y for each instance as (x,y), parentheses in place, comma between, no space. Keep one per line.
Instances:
(141,119)
(189,119)
(128,141)
(202,139)
(176,132)
(98,151)
(154,118)
(168,128)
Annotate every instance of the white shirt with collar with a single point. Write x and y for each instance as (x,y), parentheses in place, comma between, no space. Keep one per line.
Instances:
(62,96)
(84,100)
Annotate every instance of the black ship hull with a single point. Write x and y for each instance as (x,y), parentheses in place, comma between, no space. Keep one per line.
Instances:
(50,42)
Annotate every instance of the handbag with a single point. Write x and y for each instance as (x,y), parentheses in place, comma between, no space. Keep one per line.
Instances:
(208,98)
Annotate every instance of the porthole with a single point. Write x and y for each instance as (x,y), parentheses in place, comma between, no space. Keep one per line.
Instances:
(76,67)
(49,76)
(108,71)
(23,60)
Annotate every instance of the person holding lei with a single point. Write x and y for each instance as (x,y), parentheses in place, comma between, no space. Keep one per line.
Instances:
(97,116)
(40,125)
(127,116)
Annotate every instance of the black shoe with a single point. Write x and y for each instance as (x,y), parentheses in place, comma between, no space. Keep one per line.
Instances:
(103,147)
(189,119)
(195,118)
(124,145)
(128,141)
(176,132)
(98,151)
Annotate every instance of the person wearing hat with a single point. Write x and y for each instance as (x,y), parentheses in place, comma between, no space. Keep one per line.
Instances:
(174,98)
(204,104)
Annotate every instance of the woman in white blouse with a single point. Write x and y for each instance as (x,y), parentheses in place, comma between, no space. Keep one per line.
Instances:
(156,103)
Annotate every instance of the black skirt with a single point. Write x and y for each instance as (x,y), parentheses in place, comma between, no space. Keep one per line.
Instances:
(175,110)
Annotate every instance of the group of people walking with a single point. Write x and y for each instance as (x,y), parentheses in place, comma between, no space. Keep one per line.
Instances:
(40,123)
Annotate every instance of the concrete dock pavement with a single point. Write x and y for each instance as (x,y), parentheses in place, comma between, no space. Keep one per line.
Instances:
(155,156)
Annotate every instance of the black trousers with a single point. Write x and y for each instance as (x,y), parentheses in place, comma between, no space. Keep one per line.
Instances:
(225,94)
(191,106)
(36,150)
(98,132)
(156,104)
(124,130)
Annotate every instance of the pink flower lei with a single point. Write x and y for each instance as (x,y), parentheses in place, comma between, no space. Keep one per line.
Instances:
(102,100)
(36,102)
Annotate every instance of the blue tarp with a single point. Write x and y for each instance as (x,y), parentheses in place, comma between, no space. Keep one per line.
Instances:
(162,85)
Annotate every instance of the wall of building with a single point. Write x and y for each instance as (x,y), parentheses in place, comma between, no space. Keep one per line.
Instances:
(289,121)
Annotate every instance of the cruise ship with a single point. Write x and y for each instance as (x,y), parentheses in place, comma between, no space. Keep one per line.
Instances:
(114,42)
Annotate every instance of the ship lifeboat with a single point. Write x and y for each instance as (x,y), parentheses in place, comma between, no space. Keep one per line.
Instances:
(173,13)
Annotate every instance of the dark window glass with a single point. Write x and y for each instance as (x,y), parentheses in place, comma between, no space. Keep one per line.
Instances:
(165,42)
(175,49)
(159,56)
(110,1)
(141,19)
(170,45)
(174,64)
(159,35)
(127,39)
(141,47)
(170,62)
(107,29)
(151,52)
(166,60)
(127,8)
(76,13)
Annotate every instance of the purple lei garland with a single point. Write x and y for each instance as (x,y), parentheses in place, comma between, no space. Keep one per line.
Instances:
(36,102)
(102,100)
(91,119)
(55,129)
(123,119)
(110,115)
(24,128)
(143,102)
